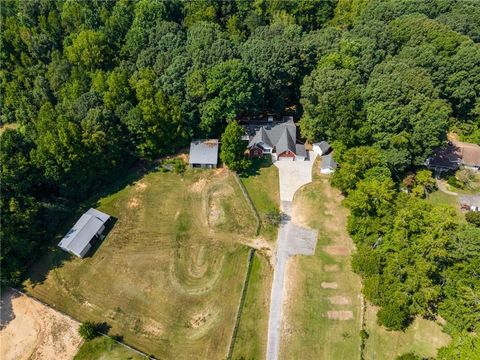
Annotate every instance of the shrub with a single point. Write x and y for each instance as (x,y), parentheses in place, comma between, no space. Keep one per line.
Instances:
(88,330)
(408,356)
(452,181)
(364,335)
(473,217)
(393,317)
(273,217)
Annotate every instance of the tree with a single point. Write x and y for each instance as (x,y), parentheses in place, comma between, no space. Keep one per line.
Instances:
(230,91)
(233,148)
(88,330)
(473,217)
(88,48)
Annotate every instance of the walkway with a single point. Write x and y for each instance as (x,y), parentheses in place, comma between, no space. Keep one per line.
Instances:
(292,240)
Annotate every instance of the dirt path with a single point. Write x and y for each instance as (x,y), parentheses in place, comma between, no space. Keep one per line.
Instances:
(443,188)
(30,330)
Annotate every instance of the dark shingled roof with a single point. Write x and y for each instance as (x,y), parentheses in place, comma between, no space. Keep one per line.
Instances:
(328,162)
(282,136)
(323,145)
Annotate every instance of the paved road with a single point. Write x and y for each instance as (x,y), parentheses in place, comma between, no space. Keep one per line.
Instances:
(291,240)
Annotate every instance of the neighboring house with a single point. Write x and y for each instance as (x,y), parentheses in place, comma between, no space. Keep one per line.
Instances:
(455,155)
(321,148)
(328,164)
(204,153)
(89,227)
(278,140)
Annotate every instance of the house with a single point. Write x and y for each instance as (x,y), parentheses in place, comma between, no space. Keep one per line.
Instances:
(321,147)
(89,227)
(204,153)
(328,164)
(278,140)
(456,154)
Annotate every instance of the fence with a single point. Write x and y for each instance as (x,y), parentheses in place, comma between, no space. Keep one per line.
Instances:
(250,203)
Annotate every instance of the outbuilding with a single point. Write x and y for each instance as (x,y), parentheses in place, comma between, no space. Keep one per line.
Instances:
(204,153)
(321,148)
(89,227)
(328,164)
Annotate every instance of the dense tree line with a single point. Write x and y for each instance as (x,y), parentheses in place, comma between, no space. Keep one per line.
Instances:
(96,86)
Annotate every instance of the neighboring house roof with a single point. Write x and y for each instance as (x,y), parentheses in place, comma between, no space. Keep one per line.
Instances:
(323,145)
(455,154)
(80,235)
(328,162)
(469,153)
(282,136)
(204,152)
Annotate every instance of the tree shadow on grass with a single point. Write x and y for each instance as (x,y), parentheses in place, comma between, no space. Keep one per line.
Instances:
(256,165)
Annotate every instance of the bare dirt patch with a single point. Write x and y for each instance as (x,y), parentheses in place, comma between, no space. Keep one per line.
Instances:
(337,250)
(34,331)
(133,203)
(140,186)
(199,185)
(339,300)
(340,315)
(329,285)
(331,268)
(263,247)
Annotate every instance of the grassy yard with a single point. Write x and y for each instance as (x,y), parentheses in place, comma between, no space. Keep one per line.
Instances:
(423,337)
(262,185)
(103,348)
(323,304)
(252,332)
(169,274)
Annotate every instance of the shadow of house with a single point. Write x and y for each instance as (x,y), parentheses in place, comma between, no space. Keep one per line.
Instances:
(98,241)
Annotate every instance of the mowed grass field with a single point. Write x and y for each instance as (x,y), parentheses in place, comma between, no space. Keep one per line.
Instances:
(251,339)
(168,276)
(422,337)
(262,185)
(103,348)
(323,308)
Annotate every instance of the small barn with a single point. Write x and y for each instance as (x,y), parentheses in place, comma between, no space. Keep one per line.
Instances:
(321,148)
(328,164)
(89,227)
(204,153)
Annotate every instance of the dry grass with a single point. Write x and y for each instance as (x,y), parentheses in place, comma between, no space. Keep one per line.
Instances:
(165,278)
(322,315)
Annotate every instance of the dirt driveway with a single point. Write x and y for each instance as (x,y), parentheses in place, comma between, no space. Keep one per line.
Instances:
(30,330)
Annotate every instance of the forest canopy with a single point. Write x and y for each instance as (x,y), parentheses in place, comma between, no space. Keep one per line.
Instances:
(95,87)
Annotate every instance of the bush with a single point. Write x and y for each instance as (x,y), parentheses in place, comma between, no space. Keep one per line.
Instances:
(393,317)
(408,356)
(273,217)
(473,217)
(88,330)
(364,335)
(452,181)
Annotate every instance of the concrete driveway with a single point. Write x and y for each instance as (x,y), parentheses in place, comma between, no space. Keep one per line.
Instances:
(293,175)
(292,240)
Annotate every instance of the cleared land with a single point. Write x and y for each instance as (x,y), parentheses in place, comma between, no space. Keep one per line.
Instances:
(423,337)
(322,310)
(168,276)
(252,331)
(103,348)
(261,182)
(30,330)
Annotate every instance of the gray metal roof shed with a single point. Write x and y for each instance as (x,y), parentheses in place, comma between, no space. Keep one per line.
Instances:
(77,240)
(203,152)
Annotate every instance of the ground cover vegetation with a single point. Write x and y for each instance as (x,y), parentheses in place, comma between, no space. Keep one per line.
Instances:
(177,243)
(93,87)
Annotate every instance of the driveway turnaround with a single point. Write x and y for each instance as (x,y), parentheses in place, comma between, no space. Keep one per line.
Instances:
(292,240)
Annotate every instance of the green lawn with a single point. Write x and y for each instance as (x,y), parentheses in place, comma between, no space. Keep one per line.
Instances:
(103,348)
(168,276)
(310,333)
(423,337)
(262,184)
(252,332)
